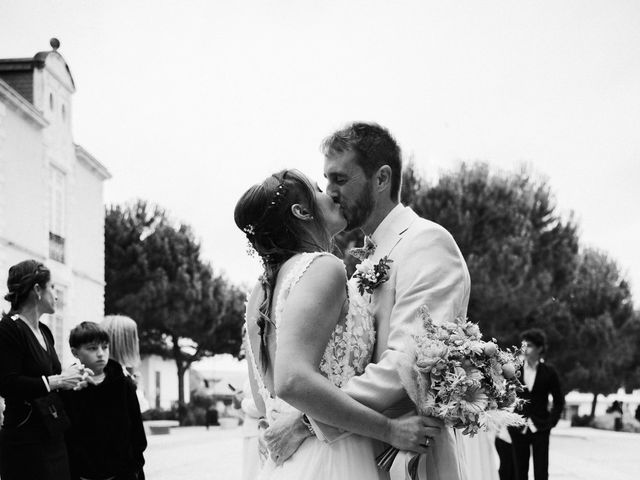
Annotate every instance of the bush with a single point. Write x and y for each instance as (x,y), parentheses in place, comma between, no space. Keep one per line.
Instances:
(631,425)
(580,420)
(195,411)
(160,414)
(201,398)
(195,415)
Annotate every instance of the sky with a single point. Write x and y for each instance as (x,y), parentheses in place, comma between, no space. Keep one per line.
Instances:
(189,103)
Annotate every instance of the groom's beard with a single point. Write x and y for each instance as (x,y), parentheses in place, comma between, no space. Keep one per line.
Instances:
(358,212)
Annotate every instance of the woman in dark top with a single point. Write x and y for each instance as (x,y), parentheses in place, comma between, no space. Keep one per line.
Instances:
(30,370)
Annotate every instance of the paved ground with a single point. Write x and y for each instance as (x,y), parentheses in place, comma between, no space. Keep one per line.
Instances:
(589,454)
(576,454)
(195,453)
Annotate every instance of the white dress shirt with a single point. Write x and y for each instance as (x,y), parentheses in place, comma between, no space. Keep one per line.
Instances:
(530,374)
(529,379)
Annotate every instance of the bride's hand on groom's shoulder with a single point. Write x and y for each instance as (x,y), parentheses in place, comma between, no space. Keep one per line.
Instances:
(413,433)
(284,435)
(263,449)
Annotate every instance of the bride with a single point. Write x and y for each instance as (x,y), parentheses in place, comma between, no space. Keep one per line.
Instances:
(308,333)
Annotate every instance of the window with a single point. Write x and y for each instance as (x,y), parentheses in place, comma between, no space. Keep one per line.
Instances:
(57,326)
(57,213)
(158,389)
(64,113)
(55,321)
(51,102)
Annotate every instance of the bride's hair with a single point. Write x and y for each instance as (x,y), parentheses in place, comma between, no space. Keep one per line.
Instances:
(265,215)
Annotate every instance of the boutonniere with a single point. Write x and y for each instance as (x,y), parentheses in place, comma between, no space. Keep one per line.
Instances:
(371,275)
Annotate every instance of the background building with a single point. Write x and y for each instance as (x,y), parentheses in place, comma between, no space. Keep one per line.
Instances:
(51,190)
(159,382)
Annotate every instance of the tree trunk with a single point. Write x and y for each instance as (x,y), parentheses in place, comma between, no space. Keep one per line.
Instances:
(182,408)
(593,404)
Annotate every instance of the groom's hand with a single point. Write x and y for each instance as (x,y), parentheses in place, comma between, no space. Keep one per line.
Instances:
(284,435)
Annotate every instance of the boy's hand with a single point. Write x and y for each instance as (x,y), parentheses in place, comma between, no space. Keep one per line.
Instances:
(86,378)
(73,378)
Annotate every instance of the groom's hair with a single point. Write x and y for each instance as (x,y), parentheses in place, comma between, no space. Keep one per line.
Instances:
(374,147)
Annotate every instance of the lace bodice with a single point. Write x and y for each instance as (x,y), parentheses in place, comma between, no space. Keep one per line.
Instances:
(350,346)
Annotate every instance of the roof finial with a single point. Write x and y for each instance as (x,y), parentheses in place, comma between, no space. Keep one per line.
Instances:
(55,43)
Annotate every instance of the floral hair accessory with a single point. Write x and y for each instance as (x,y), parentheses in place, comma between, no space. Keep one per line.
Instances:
(251,251)
(279,196)
(370,276)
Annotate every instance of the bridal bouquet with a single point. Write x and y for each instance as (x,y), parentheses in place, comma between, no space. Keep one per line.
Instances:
(451,374)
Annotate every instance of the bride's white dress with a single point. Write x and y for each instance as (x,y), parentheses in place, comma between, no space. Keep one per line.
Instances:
(347,354)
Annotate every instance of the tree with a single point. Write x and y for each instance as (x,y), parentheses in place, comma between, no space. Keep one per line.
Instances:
(602,346)
(526,271)
(631,332)
(519,250)
(155,275)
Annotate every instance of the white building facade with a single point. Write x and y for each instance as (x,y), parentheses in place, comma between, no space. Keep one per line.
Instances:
(159,382)
(51,190)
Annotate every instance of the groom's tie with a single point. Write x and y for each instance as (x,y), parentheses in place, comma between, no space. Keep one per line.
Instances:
(365,251)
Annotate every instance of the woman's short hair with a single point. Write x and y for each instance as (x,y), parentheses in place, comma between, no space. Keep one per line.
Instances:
(22,278)
(124,345)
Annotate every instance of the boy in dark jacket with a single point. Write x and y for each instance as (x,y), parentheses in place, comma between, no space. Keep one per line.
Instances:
(539,380)
(106,438)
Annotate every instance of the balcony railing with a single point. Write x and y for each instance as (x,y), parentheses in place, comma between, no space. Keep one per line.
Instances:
(56,247)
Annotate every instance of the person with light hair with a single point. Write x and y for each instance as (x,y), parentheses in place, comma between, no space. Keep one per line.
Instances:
(124,348)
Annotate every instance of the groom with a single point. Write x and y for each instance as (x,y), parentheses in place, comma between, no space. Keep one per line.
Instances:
(363,168)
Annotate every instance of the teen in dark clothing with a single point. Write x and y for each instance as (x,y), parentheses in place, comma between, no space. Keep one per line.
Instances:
(540,380)
(106,438)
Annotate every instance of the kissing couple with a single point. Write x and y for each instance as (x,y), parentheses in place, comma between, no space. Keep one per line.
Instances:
(324,351)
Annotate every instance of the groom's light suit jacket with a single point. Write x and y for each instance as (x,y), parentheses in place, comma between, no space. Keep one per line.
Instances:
(427,269)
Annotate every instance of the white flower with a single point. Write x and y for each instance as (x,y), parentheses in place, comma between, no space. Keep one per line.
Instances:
(365,267)
(472,330)
(475,400)
(450,326)
(476,347)
(431,356)
(474,374)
